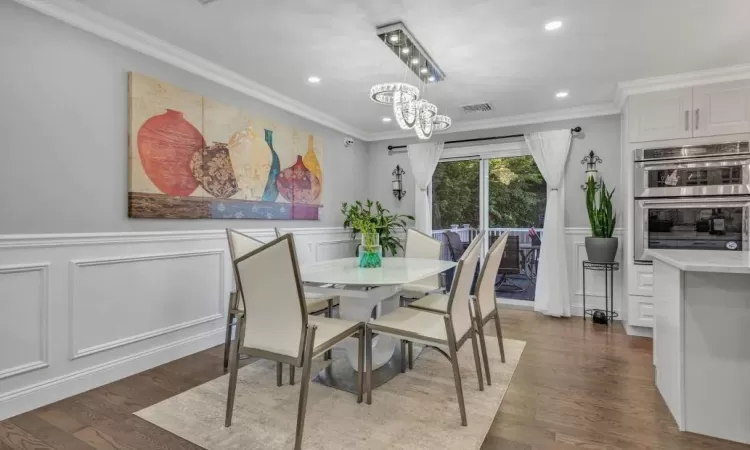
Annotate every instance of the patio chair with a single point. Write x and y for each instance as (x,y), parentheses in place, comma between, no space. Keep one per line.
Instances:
(510,265)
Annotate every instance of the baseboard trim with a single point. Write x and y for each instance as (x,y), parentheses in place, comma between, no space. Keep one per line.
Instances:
(49,391)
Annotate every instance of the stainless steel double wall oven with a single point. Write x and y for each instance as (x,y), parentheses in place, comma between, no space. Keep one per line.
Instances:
(693,197)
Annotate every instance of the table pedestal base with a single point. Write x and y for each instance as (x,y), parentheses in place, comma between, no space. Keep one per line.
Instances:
(341,375)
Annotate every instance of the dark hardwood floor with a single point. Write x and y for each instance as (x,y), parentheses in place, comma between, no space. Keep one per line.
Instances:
(577,386)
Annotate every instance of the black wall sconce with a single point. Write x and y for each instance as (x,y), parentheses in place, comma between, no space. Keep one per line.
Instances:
(591,173)
(398,183)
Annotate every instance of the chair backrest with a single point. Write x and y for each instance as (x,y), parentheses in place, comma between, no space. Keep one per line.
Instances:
(458,302)
(304,255)
(240,244)
(511,261)
(276,313)
(455,245)
(486,282)
(420,245)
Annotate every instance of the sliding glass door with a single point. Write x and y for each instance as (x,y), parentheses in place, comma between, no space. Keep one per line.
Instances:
(517,196)
(456,203)
(496,191)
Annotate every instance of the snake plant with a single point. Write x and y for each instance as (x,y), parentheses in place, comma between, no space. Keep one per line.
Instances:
(599,206)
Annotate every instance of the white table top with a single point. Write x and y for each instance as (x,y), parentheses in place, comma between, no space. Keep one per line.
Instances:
(395,271)
(704,260)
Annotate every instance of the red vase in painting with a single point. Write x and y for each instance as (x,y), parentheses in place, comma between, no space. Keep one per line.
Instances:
(166,145)
(297,184)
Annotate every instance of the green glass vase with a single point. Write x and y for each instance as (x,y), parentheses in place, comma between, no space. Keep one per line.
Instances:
(370,251)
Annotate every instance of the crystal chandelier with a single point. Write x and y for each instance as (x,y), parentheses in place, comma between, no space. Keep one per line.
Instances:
(410,111)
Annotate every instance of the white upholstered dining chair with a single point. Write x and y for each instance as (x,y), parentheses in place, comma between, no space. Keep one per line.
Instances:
(443,332)
(278,326)
(316,303)
(483,304)
(239,244)
(420,245)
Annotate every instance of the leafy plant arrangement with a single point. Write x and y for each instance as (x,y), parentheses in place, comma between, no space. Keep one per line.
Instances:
(601,216)
(361,218)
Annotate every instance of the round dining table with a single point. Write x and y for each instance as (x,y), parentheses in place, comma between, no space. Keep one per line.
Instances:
(366,293)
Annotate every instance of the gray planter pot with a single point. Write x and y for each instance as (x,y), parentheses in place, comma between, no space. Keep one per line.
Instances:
(601,249)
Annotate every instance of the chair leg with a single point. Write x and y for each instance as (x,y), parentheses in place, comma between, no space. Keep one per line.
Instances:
(279,368)
(483,348)
(228,340)
(305,386)
(360,363)
(403,356)
(410,347)
(232,382)
(329,314)
(456,372)
(499,335)
(477,363)
(368,373)
(291,375)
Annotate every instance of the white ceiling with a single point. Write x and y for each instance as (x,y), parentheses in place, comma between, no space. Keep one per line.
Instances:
(490,50)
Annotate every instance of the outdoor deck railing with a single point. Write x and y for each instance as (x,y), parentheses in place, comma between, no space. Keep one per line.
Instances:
(468,233)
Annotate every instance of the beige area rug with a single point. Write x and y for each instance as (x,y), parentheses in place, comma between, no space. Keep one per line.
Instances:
(416,410)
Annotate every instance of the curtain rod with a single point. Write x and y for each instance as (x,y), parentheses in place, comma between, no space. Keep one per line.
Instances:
(459,141)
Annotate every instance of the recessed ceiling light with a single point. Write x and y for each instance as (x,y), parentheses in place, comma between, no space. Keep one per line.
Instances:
(423,70)
(405,51)
(415,60)
(554,25)
(393,38)
(386,119)
(561,94)
(313,79)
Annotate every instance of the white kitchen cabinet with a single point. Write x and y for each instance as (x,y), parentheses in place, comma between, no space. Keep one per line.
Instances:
(711,110)
(640,311)
(640,298)
(642,280)
(721,109)
(661,115)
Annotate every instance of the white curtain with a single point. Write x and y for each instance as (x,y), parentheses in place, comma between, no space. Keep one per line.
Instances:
(423,159)
(550,151)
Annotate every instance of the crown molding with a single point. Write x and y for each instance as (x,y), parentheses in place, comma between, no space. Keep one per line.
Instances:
(82,17)
(578,112)
(680,80)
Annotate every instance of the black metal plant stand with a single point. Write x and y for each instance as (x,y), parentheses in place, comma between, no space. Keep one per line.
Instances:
(609,269)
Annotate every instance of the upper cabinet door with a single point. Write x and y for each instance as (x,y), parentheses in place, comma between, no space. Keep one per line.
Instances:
(721,109)
(661,115)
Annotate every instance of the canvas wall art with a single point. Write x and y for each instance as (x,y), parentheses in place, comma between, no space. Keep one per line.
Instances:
(191,157)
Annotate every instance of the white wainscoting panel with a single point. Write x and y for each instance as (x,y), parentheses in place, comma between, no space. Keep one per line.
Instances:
(81,310)
(23,318)
(340,248)
(112,299)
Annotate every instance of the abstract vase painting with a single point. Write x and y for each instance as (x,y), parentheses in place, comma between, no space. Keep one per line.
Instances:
(191,157)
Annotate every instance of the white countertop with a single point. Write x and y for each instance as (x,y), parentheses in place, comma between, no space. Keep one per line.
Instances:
(395,271)
(704,260)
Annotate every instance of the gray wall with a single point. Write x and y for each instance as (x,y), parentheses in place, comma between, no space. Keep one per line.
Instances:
(64,133)
(601,134)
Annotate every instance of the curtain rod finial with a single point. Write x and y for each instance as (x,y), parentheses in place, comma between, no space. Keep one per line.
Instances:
(576,130)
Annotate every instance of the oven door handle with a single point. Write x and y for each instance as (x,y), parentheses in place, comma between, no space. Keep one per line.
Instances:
(716,202)
(697,164)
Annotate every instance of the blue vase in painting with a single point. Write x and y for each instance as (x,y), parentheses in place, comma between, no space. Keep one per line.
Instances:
(271,191)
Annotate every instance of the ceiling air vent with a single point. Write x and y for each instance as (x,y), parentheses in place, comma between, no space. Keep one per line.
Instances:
(477,108)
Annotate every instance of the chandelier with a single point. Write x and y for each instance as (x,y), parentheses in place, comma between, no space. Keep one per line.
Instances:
(409,110)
